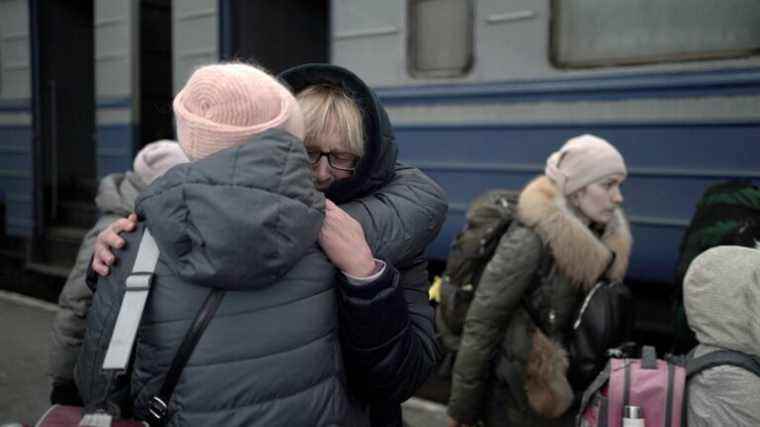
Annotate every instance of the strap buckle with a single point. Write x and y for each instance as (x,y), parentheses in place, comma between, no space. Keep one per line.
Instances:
(157,409)
(139,281)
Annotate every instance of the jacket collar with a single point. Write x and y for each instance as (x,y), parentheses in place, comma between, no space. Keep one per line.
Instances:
(580,254)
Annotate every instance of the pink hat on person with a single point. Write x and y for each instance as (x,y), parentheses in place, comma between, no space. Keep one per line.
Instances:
(224,105)
(583,160)
(154,159)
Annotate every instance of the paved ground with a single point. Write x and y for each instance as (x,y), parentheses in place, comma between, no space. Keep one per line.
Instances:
(424,413)
(24,328)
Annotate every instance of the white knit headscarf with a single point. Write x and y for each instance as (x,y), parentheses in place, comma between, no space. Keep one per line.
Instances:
(722,294)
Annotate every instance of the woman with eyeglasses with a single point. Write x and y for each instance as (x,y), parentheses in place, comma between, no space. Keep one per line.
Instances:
(387,330)
(334,134)
(380,216)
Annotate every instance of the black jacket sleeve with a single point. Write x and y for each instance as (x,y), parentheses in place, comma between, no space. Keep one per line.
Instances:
(401,219)
(387,334)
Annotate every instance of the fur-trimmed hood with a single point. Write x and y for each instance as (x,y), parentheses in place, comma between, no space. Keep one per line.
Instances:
(579,253)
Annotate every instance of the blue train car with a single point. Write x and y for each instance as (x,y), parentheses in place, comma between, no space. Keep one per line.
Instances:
(479,91)
(83,85)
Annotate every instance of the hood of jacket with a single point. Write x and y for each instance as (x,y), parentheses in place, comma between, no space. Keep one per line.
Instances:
(239,219)
(117,193)
(721,294)
(580,254)
(375,168)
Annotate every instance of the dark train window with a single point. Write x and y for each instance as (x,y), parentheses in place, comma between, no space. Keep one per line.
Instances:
(440,37)
(597,33)
(276,34)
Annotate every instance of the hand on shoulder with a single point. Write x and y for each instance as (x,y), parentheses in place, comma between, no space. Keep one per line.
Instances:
(342,238)
(108,240)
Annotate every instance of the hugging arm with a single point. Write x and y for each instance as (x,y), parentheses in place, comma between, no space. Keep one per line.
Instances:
(401,219)
(387,331)
(387,334)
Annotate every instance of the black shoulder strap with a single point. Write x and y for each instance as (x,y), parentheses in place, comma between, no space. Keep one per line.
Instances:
(723,357)
(158,406)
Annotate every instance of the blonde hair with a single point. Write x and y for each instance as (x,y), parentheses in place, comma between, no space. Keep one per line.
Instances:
(329,110)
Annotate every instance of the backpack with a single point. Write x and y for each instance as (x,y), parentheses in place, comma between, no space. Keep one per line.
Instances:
(724,209)
(109,405)
(657,387)
(488,218)
(727,213)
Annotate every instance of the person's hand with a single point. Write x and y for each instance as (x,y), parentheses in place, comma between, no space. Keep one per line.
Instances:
(108,240)
(455,423)
(342,239)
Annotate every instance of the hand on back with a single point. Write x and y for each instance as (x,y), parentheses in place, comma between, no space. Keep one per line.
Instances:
(342,238)
(107,241)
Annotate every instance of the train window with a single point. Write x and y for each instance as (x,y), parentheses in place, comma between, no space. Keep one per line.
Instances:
(595,33)
(440,37)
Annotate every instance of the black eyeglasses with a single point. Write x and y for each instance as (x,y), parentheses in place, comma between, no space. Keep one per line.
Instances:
(339,161)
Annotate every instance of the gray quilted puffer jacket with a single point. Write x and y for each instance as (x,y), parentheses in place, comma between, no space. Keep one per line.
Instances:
(246,220)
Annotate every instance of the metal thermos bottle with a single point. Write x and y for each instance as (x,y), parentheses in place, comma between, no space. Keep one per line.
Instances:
(632,416)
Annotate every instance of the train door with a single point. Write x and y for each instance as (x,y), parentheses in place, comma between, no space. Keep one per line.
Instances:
(64,119)
(275,35)
(156,120)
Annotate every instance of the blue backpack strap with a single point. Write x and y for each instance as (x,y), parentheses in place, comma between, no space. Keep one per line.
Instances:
(723,357)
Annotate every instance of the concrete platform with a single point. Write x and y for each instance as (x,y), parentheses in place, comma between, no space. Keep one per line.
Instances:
(24,329)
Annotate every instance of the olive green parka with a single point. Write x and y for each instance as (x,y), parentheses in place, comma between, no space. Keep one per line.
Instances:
(508,371)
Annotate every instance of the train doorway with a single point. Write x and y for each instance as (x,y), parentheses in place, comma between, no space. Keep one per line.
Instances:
(156,120)
(64,122)
(275,35)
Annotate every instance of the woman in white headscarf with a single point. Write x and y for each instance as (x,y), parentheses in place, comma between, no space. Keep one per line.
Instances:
(722,296)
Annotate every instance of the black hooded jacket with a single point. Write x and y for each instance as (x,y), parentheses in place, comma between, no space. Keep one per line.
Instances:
(387,332)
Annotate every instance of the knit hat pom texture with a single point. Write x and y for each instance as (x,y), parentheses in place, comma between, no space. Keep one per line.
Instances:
(223,105)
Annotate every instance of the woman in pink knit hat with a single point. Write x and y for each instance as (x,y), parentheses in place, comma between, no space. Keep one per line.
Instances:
(387,331)
(569,233)
(243,217)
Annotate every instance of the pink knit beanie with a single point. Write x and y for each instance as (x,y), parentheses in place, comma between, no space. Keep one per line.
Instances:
(223,105)
(156,158)
(583,160)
